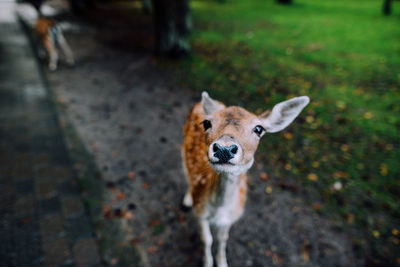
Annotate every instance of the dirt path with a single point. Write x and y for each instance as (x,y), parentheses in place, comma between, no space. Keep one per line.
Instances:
(130,117)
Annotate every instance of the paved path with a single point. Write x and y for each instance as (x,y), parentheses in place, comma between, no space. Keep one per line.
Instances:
(43,221)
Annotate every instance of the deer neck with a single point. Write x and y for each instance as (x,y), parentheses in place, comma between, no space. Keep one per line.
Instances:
(228,186)
(227,189)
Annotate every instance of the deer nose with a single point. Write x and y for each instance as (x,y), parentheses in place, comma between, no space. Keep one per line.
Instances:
(224,153)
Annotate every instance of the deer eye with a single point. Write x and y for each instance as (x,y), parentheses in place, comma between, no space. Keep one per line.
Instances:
(206,124)
(259,130)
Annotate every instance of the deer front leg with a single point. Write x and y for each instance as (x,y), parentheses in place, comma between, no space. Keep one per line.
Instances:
(222,235)
(207,240)
(66,49)
(187,200)
(53,55)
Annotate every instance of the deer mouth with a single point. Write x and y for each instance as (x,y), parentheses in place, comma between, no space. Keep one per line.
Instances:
(222,163)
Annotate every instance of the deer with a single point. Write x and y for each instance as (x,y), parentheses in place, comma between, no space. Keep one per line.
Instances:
(219,143)
(49,34)
(51,37)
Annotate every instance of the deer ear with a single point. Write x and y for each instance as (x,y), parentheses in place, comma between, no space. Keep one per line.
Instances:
(283,114)
(210,105)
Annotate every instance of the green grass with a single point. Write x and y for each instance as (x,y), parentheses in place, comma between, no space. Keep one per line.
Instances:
(345,55)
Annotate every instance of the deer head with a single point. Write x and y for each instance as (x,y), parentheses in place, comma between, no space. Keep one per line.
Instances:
(232,133)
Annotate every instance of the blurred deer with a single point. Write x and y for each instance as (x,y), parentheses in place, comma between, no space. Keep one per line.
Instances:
(50,35)
(218,149)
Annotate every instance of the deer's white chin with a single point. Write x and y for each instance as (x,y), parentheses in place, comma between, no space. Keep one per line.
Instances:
(231,168)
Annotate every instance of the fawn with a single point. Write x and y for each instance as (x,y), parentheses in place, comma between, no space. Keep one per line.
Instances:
(51,36)
(218,149)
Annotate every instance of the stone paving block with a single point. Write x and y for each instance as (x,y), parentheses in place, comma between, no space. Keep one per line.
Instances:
(24,157)
(41,158)
(7,250)
(46,143)
(27,241)
(60,156)
(22,173)
(52,227)
(79,228)
(50,206)
(6,192)
(72,206)
(24,187)
(69,187)
(48,171)
(45,171)
(86,253)
(24,205)
(56,252)
(62,174)
(46,189)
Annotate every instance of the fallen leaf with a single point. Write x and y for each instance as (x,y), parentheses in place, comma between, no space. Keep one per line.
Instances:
(315,164)
(340,174)
(350,218)
(151,250)
(368,115)
(268,190)
(120,195)
(264,176)
(145,185)
(131,175)
(107,211)
(312,177)
(383,169)
(317,206)
(288,166)
(128,215)
(376,234)
(288,135)
(344,148)
(154,223)
(60,100)
(276,259)
(114,261)
(267,253)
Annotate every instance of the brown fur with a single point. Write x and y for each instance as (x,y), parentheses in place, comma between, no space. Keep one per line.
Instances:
(43,26)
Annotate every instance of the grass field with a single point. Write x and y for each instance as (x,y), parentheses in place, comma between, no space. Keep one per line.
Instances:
(345,55)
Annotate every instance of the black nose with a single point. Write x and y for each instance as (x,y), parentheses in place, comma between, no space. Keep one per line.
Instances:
(224,153)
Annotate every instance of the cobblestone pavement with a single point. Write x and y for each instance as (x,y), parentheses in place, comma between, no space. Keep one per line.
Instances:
(43,221)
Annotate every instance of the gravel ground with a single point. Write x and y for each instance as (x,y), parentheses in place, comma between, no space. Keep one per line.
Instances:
(130,115)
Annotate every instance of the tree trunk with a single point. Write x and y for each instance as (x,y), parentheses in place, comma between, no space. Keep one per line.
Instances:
(81,6)
(172,26)
(387,7)
(285,2)
(146,7)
